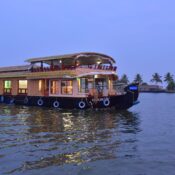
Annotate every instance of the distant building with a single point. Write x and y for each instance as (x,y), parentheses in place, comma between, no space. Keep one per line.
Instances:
(151,88)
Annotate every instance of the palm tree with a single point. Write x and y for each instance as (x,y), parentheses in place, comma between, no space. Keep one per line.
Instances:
(156,78)
(171,86)
(138,79)
(124,79)
(168,78)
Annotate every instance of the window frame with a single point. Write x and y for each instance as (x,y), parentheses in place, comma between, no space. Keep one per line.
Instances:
(20,90)
(5,90)
(66,87)
(57,85)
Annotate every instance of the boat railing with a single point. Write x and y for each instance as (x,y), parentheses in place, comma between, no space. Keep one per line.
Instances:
(119,87)
(7,90)
(100,91)
(59,68)
(22,91)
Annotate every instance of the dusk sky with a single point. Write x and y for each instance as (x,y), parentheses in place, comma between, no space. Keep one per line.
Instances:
(139,34)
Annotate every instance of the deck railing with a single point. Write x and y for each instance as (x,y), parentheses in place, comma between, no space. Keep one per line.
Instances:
(57,68)
(7,90)
(22,91)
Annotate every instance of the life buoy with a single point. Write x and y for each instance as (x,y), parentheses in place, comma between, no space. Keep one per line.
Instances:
(56,104)
(81,104)
(106,102)
(40,102)
(26,100)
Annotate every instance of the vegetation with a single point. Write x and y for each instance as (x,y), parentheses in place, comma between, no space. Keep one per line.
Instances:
(171,86)
(170,81)
(124,79)
(168,77)
(156,78)
(144,83)
(138,79)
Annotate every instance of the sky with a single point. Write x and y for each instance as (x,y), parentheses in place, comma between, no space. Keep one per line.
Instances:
(138,34)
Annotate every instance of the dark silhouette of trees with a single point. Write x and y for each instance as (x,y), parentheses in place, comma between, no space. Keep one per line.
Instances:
(156,78)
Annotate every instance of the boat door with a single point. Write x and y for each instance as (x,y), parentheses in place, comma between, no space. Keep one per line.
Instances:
(100,85)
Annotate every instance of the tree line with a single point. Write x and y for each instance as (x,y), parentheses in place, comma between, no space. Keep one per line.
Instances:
(156,78)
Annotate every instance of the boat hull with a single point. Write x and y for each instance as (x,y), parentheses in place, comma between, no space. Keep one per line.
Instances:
(124,101)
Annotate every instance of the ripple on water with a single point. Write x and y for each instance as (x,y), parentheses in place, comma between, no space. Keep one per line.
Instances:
(33,138)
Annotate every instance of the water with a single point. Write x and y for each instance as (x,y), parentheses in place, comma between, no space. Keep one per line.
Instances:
(45,141)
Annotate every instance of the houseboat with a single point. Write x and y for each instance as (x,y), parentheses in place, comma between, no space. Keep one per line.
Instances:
(80,80)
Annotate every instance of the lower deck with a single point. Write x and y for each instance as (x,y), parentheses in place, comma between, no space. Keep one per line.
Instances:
(78,87)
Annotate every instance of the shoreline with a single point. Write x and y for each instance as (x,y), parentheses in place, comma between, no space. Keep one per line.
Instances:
(165,91)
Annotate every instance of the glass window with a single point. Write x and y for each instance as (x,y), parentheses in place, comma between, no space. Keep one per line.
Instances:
(22,86)
(82,85)
(7,86)
(67,87)
(54,89)
(40,86)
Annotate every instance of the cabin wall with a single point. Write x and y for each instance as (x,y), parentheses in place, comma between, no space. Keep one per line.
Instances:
(1,86)
(14,86)
(33,88)
(75,87)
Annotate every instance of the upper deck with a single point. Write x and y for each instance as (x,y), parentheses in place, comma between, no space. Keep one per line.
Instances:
(63,66)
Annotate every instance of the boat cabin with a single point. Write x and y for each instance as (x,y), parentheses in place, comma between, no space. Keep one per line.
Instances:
(72,75)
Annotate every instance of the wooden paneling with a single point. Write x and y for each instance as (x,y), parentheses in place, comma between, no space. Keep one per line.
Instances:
(15,86)
(1,86)
(33,88)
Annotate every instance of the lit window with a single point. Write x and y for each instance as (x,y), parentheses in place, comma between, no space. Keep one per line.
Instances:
(67,87)
(82,85)
(22,87)
(7,86)
(54,89)
(40,85)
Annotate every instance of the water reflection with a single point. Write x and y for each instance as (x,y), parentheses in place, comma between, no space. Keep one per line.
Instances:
(42,137)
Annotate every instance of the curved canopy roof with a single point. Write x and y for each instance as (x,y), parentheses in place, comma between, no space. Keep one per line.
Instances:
(83,58)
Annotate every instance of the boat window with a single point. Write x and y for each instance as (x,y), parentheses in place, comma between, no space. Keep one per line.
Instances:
(22,87)
(7,86)
(82,85)
(67,87)
(40,85)
(54,87)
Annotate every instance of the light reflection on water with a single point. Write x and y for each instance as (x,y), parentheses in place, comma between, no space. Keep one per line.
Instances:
(36,138)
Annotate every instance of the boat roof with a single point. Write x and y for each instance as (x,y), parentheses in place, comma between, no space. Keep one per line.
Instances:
(14,68)
(82,57)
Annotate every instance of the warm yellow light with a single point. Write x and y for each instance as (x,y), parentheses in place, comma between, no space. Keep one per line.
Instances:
(40,85)
(95,76)
(22,84)
(98,62)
